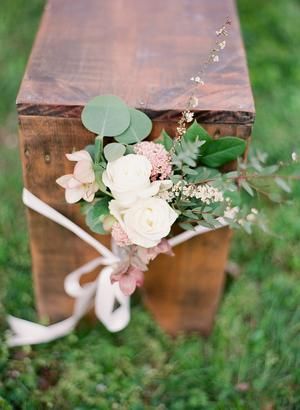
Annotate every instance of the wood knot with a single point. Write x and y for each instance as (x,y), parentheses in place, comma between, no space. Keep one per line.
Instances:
(47,158)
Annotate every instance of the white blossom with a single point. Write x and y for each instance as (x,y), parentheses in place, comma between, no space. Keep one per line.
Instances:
(205,193)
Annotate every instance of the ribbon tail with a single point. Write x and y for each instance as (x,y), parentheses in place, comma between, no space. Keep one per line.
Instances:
(107,295)
(29,333)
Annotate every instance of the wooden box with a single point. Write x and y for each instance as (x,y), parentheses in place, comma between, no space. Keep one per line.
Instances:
(145,52)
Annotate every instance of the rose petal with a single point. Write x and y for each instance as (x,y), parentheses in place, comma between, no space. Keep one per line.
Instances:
(152,190)
(79,156)
(116,209)
(84,172)
(74,195)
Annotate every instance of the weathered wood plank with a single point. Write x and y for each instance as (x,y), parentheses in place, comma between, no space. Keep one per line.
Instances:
(145,52)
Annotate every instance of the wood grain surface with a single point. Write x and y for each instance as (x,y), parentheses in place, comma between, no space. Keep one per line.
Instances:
(143,51)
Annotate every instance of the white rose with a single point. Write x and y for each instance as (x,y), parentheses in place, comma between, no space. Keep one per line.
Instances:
(128,178)
(146,222)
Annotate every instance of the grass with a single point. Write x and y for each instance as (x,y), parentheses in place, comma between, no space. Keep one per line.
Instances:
(252,359)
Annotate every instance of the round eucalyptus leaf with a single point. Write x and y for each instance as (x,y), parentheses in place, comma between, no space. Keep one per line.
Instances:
(106,115)
(140,127)
(114,151)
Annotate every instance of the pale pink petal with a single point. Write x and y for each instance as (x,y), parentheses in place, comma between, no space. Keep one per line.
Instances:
(143,257)
(165,247)
(73,183)
(64,180)
(127,284)
(137,274)
(84,172)
(88,195)
(119,270)
(74,195)
(152,190)
(79,156)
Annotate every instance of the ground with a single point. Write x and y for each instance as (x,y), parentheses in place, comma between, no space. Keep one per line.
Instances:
(252,359)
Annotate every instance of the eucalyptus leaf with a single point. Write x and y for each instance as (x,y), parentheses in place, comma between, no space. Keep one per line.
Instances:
(98,175)
(196,132)
(106,115)
(139,128)
(96,215)
(114,151)
(218,152)
(91,149)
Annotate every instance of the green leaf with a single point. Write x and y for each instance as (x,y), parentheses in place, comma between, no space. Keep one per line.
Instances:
(139,128)
(188,171)
(96,215)
(98,148)
(166,140)
(91,149)
(189,214)
(218,152)
(114,151)
(106,115)
(269,170)
(282,184)
(196,132)
(247,187)
(186,226)
(203,174)
(98,174)
(176,178)
(232,174)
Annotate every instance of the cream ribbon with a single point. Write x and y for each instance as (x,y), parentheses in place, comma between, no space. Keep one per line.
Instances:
(101,292)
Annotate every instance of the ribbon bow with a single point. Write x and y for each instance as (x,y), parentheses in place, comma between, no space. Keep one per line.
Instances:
(101,292)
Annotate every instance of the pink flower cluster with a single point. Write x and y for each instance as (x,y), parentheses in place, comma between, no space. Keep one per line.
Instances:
(130,272)
(158,156)
(119,235)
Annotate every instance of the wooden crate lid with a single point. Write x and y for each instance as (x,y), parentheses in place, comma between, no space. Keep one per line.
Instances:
(144,51)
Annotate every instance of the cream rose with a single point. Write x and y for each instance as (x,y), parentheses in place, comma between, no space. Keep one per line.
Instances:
(128,178)
(146,222)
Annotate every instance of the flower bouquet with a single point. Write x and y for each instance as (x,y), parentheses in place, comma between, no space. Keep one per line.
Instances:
(136,190)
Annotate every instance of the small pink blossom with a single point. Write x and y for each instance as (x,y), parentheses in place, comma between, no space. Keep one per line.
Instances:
(81,184)
(129,279)
(119,235)
(145,255)
(158,156)
(135,259)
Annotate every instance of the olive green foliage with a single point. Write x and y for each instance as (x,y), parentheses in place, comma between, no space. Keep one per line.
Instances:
(252,359)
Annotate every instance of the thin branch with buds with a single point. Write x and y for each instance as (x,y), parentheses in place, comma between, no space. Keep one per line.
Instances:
(213,57)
